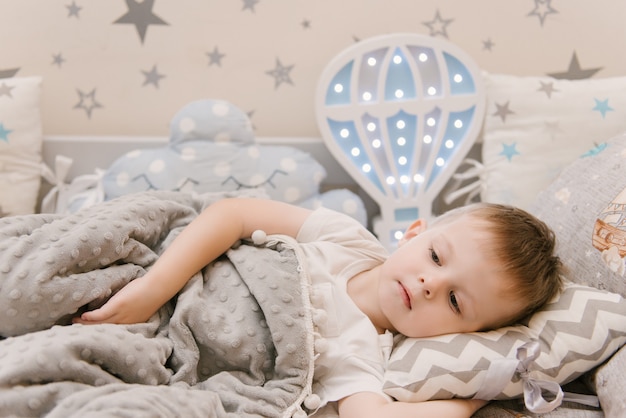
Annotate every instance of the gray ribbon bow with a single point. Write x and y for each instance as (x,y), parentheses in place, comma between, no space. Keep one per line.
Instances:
(501,371)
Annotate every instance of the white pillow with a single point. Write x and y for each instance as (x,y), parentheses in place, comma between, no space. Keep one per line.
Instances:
(577,331)
(20,145)
(535,126)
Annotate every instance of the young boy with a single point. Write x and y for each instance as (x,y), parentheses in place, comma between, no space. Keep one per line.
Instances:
(475,268)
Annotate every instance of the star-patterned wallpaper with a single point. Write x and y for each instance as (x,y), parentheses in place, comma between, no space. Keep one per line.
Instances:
(125,67)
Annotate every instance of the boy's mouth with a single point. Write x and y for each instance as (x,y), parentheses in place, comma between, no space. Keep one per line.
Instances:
(404,294)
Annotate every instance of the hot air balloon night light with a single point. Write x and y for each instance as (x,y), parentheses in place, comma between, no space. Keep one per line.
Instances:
(399,112)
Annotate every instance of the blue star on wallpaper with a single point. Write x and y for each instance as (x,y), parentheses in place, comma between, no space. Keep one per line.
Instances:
(602,106)
(509,150)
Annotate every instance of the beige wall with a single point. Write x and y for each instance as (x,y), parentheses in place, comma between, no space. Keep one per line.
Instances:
(530,37)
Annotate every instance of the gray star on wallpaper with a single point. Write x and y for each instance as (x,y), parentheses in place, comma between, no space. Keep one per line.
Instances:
(280,74)
(8,73)
(542,9)
(152,77)
(503,110)
(249,4)
(548,88)
(73,10)
(5,90)
(574,72)
(140,15)
(57,59)
(215,57)
(87,101)
(438,25)
(488,44)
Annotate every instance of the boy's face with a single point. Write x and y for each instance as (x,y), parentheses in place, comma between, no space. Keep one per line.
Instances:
(444,279)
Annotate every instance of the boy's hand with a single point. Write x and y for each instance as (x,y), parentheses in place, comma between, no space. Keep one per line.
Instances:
(135,302)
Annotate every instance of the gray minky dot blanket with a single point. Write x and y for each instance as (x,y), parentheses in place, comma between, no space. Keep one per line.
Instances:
(237,340)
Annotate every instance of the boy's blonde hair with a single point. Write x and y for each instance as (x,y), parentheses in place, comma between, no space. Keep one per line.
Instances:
(525,247)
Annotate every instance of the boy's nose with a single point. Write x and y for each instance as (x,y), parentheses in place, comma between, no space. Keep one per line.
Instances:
(429,287)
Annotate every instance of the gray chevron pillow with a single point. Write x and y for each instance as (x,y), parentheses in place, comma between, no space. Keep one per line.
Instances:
(577,331)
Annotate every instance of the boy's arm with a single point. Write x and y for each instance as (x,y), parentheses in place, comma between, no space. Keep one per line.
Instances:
(213,232)
(366,405)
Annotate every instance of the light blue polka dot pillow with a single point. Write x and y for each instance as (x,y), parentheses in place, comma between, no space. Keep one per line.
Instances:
(212,149)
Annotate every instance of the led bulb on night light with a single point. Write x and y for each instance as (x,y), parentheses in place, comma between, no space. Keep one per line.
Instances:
(338,88)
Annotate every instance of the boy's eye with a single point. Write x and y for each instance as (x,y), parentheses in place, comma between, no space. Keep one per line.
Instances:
(454,303)
(434,257)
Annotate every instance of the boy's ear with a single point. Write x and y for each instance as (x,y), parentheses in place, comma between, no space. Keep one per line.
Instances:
(413,230)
